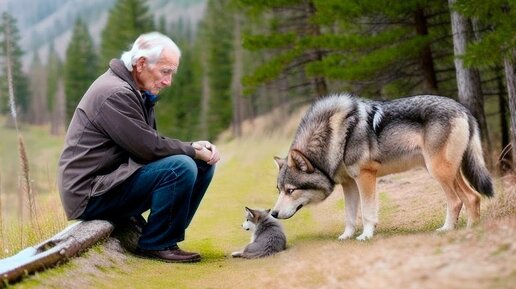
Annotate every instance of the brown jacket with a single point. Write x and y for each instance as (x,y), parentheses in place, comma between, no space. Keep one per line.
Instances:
(111,135)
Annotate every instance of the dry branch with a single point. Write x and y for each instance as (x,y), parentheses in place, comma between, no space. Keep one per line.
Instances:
(68,243)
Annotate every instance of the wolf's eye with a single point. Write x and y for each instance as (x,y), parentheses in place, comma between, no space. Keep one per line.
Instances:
(289,191)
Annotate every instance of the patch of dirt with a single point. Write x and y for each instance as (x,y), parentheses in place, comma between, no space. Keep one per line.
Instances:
(406,252)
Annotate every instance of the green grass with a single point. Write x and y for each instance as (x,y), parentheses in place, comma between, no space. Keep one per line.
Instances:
(43,152)
(245,176)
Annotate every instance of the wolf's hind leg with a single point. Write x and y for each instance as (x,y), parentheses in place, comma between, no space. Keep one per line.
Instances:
(444,172)
(469,197)
(236,254)
(366,182)
(352,199)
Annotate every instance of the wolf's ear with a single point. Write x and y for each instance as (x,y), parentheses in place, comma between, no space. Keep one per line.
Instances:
(298,160)
(250,212)
(280,161)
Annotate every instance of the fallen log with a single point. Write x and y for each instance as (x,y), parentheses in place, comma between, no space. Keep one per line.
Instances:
(70,242)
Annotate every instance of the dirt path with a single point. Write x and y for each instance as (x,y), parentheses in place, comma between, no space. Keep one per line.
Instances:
(406,252)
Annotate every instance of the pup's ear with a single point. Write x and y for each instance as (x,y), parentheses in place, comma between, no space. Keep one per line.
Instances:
(268,211)
(250,212)
(298,160)
(280,161)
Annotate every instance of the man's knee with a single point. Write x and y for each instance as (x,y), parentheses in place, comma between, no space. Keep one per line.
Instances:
(182,166)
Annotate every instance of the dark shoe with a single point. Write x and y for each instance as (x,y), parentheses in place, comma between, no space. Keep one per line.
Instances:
(170,255)
(184,253)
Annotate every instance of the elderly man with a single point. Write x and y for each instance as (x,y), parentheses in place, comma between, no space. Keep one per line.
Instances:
(115,165)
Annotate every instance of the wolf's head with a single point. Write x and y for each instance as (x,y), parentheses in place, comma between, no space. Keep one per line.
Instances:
(299,184)
(254,217)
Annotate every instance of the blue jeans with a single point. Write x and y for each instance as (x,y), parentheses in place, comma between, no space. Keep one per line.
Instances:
(172,188)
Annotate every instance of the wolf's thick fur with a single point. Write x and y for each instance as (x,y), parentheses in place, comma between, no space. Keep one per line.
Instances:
(351,141)
(268,237)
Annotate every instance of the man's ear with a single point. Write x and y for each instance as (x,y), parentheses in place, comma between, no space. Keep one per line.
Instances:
(140,63)
(280,162)
(297,160)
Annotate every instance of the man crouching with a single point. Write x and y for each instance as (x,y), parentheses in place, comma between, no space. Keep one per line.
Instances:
(115,165)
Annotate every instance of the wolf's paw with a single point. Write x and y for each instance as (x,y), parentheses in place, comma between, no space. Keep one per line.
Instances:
(366,235)
(347,234)
(236,254)
(444,229)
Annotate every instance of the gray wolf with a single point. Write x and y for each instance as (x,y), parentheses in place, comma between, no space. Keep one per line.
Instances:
(352,141)
(267,238)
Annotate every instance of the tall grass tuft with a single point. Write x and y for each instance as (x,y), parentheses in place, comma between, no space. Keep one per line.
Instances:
(504,202)
(26,185)
(24,160)
(2,240)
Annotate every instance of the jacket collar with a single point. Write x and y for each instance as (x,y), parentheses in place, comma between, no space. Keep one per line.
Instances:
(118,67)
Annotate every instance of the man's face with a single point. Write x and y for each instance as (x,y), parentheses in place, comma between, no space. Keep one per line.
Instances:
(154,77)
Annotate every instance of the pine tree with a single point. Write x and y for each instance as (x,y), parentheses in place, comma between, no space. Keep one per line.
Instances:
(496,47)
(216,43)
(374,48)
(468,79)
(290,24)
(9,31)
(498,19)
(38,113)
(80,68)
(385,48)
(127,20)
(55,97)
(54,72)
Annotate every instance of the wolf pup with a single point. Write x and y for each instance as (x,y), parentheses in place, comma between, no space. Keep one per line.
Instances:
(268,237)
(351,141)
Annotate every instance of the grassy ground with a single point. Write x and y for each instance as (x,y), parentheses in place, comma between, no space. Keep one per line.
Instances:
(43,151)
(405,253)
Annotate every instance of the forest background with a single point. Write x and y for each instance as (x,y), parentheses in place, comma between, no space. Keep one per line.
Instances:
(245,58)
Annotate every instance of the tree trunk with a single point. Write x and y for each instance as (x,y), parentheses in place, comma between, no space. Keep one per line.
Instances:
(38,87)
(58,117)
(321,87)
(426,59)
(468,79)
(205,95)
(236,84)
(510,77)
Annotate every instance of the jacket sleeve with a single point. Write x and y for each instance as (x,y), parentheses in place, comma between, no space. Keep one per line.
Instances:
(121,118)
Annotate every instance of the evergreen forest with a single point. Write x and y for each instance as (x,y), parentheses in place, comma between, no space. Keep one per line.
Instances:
(246,58)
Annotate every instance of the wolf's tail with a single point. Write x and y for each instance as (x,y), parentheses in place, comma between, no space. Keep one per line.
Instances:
(473,165)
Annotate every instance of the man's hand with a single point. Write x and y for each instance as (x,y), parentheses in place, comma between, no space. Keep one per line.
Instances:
(206,151)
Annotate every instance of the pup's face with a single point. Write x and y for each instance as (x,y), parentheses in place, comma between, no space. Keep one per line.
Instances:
(253,218)
(299,184)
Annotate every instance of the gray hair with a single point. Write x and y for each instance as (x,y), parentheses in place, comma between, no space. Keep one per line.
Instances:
(149,46)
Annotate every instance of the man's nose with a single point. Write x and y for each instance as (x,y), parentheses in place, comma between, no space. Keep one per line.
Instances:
(167,80)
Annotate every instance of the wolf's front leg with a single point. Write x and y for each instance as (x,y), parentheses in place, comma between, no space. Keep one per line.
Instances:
(352,198)
(366,182)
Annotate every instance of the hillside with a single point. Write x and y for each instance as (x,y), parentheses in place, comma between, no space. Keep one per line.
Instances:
(405,253)
(51,21)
